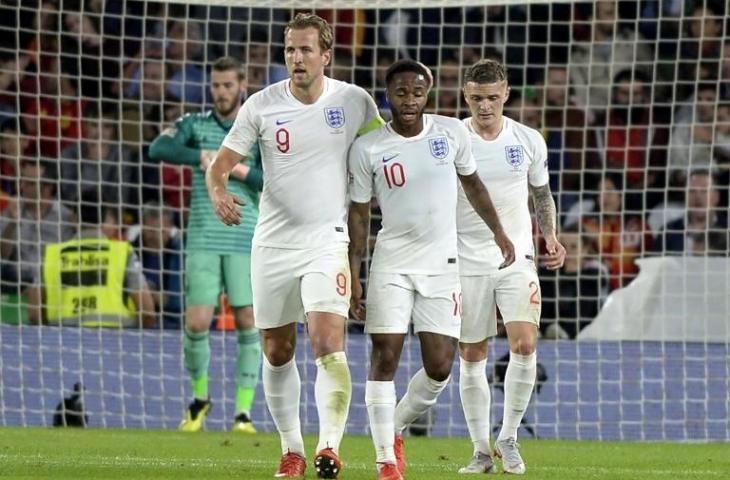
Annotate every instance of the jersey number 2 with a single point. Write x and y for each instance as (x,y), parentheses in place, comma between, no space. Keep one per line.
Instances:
(282,140)
(535,295)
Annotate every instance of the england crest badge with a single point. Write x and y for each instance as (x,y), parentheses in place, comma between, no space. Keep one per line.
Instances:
(439,147)
(514,155)
(335,116)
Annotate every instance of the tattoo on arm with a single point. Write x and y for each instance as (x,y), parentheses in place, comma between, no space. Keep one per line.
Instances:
(545,210)
(479,198)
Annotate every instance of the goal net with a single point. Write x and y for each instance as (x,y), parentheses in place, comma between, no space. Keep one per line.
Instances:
(632,98)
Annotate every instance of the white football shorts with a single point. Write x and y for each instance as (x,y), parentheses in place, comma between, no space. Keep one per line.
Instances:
(432,302)
(515,290)
(287,283)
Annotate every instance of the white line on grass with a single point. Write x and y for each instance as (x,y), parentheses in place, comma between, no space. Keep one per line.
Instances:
(132,461)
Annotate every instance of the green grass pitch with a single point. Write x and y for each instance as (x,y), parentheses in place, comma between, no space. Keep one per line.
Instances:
(138,454)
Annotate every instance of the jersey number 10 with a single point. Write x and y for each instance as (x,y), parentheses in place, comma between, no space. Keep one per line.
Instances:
(395,175)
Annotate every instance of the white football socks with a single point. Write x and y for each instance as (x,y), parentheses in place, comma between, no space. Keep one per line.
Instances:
(476,399)
(380,402)
(421,395)
(518,383)
(332,393)
(282,388)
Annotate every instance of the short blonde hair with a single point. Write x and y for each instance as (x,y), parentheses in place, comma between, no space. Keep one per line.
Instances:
(310,20)
(487,70)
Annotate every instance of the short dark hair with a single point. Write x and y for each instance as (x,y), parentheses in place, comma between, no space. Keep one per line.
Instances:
(48,171)
(702,172)
(98,110)
(91,211)
(706,85)
(632,74)
(11,124)
(615,178)
(92,111)
(309,20)
(225,64)
(486,70)
(48,168)
(402,66)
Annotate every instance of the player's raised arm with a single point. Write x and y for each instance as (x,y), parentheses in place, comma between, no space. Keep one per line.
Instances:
(226,205)
(478,196)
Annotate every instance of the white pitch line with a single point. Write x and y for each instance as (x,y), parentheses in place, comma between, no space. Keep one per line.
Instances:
(125,461)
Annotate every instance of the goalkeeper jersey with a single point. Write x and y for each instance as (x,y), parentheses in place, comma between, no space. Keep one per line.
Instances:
(181,144)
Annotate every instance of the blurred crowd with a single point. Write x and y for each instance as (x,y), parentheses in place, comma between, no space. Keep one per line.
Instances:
(632,97)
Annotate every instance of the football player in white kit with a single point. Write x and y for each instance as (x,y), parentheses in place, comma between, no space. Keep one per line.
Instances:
(411,165)
(305,126)
(512,161)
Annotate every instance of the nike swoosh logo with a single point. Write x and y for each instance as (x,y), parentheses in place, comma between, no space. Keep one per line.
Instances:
(282,122)
(388,159)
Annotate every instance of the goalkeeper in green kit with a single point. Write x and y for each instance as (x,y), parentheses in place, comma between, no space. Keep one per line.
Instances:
(217,256)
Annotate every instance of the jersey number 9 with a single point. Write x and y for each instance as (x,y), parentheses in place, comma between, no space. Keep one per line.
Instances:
(282,140)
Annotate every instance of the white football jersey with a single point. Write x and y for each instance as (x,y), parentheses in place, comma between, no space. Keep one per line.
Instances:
(304,157)
(506,164)
(414,180)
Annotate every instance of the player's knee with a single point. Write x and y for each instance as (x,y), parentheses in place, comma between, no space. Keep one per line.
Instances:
(278,351)
(438,367)
(325,346)
(439,372)
(197,325)
(383,364)
(244,318)
(326,341)
(198,318)
(524,346)
(473,352)
(278,357)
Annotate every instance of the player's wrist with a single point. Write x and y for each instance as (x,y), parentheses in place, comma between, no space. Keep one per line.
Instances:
(218,190)
(550,238)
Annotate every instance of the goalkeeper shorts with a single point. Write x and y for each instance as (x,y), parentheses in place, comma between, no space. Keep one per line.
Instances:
(207,274)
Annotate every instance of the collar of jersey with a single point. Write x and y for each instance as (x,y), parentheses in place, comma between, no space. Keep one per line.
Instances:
(225,126)
(505,125)
(296,101)
(427,123)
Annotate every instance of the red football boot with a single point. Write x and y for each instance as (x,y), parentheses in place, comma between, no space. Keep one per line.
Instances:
(292,466)
(388,471)
(327,464)
(400,454)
